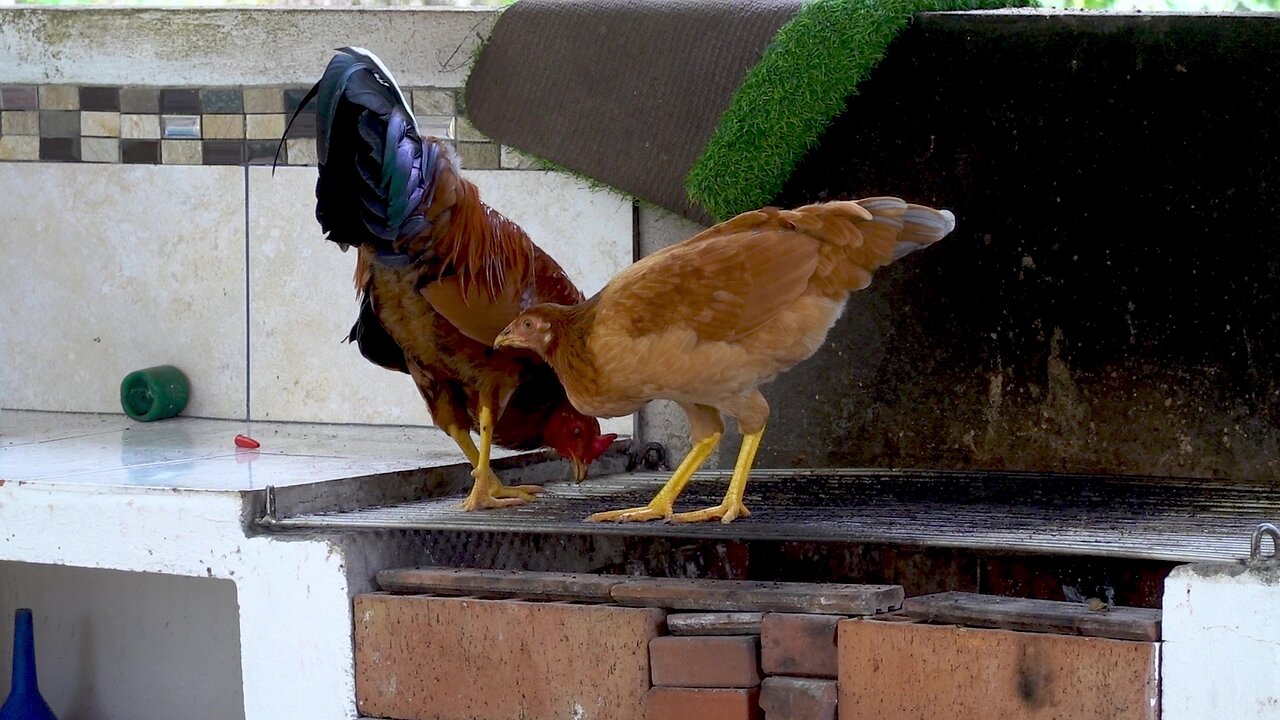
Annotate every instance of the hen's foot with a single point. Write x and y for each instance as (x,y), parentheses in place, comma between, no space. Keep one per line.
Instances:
(725,512)
(638,514)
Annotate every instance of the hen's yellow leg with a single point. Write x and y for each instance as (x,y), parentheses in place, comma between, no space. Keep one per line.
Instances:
(488,491)
(731,507)
(662,504)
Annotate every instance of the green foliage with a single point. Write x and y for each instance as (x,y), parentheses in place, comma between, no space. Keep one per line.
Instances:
(813,66)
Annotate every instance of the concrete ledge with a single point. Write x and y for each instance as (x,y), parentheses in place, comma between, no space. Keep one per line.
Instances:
(429,47)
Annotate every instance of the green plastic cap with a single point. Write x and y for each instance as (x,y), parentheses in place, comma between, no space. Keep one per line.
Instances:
(154,393)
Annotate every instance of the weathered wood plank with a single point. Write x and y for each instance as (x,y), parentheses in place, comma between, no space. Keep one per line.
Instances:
(1064,618)
(751,596)
(502,583)
(715,623)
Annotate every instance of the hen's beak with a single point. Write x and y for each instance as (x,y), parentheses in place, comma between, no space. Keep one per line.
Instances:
(579,469)
(508,339)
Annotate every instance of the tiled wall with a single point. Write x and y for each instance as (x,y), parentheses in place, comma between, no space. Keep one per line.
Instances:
(137,229)
(200,126)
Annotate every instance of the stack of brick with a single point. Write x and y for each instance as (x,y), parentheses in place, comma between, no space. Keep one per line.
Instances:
(799,656)
(612,648)
(436,644)
(708,668)
(780,666)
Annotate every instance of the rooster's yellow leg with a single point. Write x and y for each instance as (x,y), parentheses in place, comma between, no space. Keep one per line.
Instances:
(488,491)
(662,504)
(731,507)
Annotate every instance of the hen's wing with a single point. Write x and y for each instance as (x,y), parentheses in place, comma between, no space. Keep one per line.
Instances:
(723,283)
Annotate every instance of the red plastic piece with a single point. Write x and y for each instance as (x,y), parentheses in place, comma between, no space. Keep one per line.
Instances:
(245,441)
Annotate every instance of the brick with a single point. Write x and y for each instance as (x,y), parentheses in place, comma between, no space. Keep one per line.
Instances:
(912,670)
(436,657)
(663,703)
(705,662)
(802,645)
(788,698)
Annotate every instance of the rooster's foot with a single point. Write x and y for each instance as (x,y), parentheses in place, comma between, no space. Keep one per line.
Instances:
(489,492)
(725,512)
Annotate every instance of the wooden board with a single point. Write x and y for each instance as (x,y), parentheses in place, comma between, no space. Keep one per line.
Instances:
(751,596)
(502,583)
(715,623)
(1064,618)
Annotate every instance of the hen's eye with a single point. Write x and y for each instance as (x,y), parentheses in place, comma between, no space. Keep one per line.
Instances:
(528,324)
(577,432)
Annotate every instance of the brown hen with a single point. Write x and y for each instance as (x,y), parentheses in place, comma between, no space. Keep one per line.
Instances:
(708,321)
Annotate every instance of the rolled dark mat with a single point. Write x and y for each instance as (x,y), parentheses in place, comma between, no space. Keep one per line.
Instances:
(624,92)
(704,107)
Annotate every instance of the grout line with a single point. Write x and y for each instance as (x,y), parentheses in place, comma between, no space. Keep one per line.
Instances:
(248,319)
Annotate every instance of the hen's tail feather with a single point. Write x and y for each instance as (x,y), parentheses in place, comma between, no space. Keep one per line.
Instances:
(914,226)
(860,237)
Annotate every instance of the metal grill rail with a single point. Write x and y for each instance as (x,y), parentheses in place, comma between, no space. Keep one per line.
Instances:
(1143,518)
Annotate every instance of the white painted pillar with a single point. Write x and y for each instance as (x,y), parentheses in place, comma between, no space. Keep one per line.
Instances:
(295,632)
(1221,654)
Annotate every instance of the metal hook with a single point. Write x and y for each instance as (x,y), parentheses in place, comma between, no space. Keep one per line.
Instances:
(1255,545)
(269,510)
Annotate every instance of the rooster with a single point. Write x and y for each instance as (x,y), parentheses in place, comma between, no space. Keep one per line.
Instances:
(439,273)
(708,321)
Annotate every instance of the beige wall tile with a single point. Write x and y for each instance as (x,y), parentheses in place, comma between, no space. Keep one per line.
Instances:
(433,101)
(20,122)
(225,127)
(479,156)
(98,149)
(303,306)
(263,100)
(162,283)
(59,97)
(140,127)
(19,147)
(302,151)
(466,131)
(181,152)
(264,127)
(100,124)
(587,231)
(513,159)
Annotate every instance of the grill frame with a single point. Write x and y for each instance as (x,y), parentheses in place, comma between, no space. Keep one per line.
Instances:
(1138,518)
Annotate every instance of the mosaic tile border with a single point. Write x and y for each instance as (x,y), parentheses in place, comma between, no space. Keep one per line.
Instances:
(235,125)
